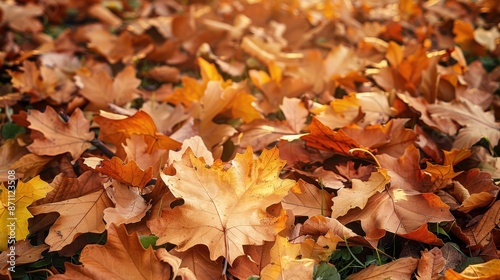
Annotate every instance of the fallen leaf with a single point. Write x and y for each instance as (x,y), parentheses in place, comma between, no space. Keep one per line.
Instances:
(13,209)
(130,206)
(307,200)
(60,137)
(431,264)
(101,89)
(285,264)
(77,216)
(484,271)
(122,257)
(401,268)
(127,173)
(211,192)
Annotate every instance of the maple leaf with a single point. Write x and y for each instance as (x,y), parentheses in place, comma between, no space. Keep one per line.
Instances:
(223,208)
(128,173)
(285,264)
(21,18)
(13,207)
(122,257)
(358,195)
(101,89)
(477,123)
(59,136)
(43,82)
(77,216)
(117,128)
(406,209)
(322,137)
(307,200)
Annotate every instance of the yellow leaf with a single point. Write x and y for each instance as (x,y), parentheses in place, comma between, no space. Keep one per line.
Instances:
(483,271)
(13,210)
(284,263)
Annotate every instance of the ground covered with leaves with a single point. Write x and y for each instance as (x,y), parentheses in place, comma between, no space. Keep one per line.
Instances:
(224,139)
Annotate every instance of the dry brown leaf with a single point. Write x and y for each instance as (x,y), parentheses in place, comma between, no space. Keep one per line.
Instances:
(130,206)
(401,268)
(308,200)
(483,271)
(431,264)
(101,89)
(210,194)
(122,257)
(60,137)
(77,216)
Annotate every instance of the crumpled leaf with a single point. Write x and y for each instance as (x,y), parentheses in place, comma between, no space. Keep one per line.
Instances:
(59,136)
(212,193)
(128,173)
(431,264)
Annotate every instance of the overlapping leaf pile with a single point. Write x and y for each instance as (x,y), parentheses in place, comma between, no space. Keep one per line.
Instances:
(281,139)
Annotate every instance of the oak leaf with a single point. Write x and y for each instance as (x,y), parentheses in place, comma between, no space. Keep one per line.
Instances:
(59,136)
(77,216)
(101,89)
(122,257)
(224,208)
(13,207)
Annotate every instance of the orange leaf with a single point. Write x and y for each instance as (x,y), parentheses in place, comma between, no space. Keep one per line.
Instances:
(483,271)
(128,173)
(59,136)
(117,130)
(322,137)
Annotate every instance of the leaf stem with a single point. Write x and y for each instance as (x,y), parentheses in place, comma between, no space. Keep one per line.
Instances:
(367,152)
(352,254)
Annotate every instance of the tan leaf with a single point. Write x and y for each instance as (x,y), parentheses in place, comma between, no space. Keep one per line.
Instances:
(77,216)
(210,194)
(285,264)
(478,124)
(130,206)
(101,89)
(59,136)
(358,195)
(431,264)
(307,200)
(401,268)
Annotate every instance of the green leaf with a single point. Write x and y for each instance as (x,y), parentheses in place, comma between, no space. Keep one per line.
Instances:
(149,240)
(10,130)
(325,271)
